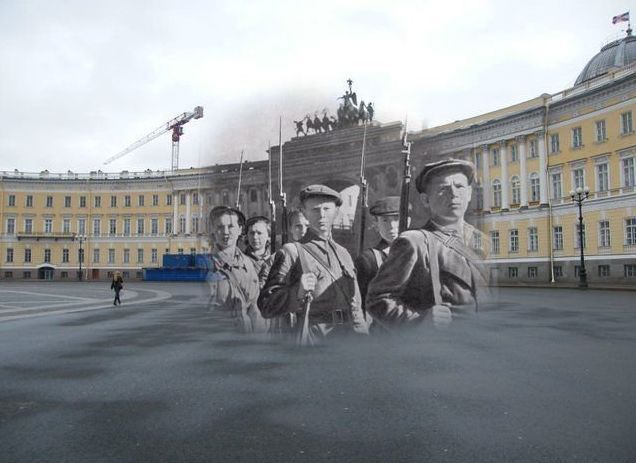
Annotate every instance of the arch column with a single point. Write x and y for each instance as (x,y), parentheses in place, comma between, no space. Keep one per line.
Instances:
(523,170)
(485,177)
(503,157)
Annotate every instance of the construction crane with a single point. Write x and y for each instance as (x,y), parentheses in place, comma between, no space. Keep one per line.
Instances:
(176,125)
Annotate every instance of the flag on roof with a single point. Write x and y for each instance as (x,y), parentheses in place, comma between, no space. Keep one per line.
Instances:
(621,18)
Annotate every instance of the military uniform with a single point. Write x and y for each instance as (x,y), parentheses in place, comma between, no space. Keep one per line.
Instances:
(434,265)
(262,264)
(336,305)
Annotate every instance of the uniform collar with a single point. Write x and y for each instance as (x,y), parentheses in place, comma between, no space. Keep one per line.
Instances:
(383,246)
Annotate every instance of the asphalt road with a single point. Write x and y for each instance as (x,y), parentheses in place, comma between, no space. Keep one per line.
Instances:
(545,376)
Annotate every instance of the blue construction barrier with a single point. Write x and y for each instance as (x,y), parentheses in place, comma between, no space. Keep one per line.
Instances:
(181,267)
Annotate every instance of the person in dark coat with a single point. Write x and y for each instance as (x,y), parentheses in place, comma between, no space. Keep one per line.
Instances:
(258,246)
(117,284)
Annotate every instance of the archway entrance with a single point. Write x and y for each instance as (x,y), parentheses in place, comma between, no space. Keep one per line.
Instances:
(46,273)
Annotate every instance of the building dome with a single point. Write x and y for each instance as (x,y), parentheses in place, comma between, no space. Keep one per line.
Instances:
(613,55)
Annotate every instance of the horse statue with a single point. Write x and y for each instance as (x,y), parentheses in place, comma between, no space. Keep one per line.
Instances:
(299,127)
(317,123)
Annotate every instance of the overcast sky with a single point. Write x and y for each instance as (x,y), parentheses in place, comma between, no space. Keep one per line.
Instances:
(81,80)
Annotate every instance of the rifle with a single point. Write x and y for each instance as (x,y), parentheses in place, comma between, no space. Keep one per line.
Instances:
(364,194)
(238,190)
(272,204)
(406,182)
(283,196)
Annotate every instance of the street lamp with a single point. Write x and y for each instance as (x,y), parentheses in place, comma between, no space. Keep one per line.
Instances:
(579,195)
(80,256)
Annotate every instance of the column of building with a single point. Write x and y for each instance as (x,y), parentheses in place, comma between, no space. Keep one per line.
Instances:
(503,159)
(523,170)
(485,178)
(188,224)
(543,174)
(175,215)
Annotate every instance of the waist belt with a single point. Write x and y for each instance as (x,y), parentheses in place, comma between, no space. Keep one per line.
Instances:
(337,317)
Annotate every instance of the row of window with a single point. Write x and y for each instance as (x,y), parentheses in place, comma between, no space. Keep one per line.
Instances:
(603,270)
(604,237)
(576,133)
(27,275)
(140,226)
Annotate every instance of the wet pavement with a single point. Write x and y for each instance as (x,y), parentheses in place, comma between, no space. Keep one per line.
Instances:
(546,375)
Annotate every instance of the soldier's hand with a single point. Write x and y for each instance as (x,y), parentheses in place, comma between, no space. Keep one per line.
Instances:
(307,283)
(442,315)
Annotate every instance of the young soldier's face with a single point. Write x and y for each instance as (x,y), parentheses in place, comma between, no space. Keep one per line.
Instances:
(257,236)
(225,231)
(388,226)
(298,227)
(447,196)
(321,213)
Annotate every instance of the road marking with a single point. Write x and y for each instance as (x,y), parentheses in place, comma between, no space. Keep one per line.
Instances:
(131,294)
(44,294)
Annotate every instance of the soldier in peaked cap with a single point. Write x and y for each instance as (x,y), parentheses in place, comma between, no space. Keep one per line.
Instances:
(233,279)
(432,272)
(318,265)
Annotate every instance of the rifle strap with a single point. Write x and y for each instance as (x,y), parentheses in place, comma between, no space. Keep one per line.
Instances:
(321,262)
(378,257)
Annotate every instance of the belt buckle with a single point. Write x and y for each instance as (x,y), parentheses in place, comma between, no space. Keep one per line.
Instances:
(337,317)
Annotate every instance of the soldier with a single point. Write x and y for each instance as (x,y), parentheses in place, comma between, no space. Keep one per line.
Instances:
(432,272)
(297,225)
(233,279)
(386,213)
(257,246)
(315,265)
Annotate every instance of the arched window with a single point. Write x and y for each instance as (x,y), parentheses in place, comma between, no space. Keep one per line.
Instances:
(496,193)
(515,185)
(534,187)
(225,198)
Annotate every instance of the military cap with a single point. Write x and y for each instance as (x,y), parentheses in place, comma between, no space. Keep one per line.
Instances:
(434,168)
(389,205)
(312,191)
(218,211)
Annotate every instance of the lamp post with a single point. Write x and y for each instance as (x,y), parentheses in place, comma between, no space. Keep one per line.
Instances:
(578,196)
(80,256)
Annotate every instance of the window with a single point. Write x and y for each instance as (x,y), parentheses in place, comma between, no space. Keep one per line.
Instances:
(182,224)
(47,256)
(602,177)
(112,227)
(126,227)
(478,193)
(97,227)
(253,196)
(48,225)
(67,201)
(195,198)
(494,242)
(98,201)
(8,274)
(127,201)
(533,239)
(28,225)
(604,239)
(66,226)
(10,226)
(153,256)
(577,137)
(629,270)
(168,225)
(496,193)
(516,190)
(64,274)
(49,201)
(603,270)
(154,226)
(11,200)
(514,240)
(535,190)
(140,255)
(554,143)
(155,200)
(193,251)
(578,237)
(557,192)
(111,256)
(225,198)
(125,274)
(169,199)
(495,157)
(534,150)
(626,123)
(140,226)
(26,275)
(557,238)
(141,199)
(113,201)
(514,155)
(578,178)
(601,131)
(558,271)
(81,226)
(182,199)
(630,231)
(96,255)
(28,202)
(126,256)
(513,272)
(9,255)
(477,240)
(195,225)
(533,272)
(478,160)
(27,255)
(628,172)
(82,201)
(180,251)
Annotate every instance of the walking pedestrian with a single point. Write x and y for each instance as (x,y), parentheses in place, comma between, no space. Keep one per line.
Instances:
(117,285)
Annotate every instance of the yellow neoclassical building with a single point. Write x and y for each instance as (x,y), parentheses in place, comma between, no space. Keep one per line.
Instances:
(529,158)
(53,224)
